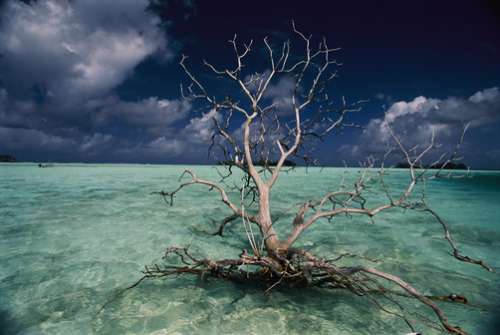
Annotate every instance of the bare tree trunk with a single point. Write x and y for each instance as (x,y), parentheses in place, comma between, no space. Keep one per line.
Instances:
(274,246)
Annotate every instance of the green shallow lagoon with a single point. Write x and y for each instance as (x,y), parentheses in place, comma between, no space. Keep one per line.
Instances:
(73,235)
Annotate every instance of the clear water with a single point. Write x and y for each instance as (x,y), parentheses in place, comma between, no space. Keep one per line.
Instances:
(74,235)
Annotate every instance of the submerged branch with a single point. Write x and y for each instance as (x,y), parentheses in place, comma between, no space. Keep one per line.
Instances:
(303,269)
(169,197)
(448,238)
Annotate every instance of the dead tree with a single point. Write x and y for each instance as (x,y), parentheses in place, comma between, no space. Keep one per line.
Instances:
(259,137)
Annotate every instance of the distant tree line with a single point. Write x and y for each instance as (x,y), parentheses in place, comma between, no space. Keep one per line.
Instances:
(7,159)
(259,163)
(450,166)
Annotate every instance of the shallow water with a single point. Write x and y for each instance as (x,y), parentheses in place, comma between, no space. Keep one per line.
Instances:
(74,235)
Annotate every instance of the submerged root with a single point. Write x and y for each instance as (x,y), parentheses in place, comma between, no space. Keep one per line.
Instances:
(304,270)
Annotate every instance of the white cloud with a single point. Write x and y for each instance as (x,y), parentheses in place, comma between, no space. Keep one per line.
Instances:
(387,98)
(420,106)
(200,129)
(77,44)
(35,140)
(189,143)
(281,94)
(96,143)
(414,122)
(153,115)
(48,144)
(63,53)
(279,91)
(487,95)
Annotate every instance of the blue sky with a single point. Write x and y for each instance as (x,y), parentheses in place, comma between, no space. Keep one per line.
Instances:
(98,80)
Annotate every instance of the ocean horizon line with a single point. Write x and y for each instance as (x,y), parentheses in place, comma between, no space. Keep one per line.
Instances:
(215,164)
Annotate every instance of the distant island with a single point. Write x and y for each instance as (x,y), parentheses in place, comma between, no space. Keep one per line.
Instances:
(261,163)
(7,159)
(449,166)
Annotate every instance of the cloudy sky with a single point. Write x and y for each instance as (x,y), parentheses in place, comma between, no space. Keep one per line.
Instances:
(98,80)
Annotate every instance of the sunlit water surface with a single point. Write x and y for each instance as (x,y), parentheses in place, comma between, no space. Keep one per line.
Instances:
(72,236)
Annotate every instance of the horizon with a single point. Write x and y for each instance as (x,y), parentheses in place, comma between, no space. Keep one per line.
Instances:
(389,167)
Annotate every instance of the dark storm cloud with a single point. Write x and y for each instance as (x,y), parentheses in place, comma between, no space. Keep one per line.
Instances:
(61,62)
(152,114)
(189,143)
(69,50)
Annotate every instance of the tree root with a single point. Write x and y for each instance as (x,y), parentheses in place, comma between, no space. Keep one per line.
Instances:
(315,272)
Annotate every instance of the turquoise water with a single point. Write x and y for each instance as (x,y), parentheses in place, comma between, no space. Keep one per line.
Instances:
(73,235)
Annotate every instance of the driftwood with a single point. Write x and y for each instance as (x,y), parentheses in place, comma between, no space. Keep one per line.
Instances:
(249,128)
